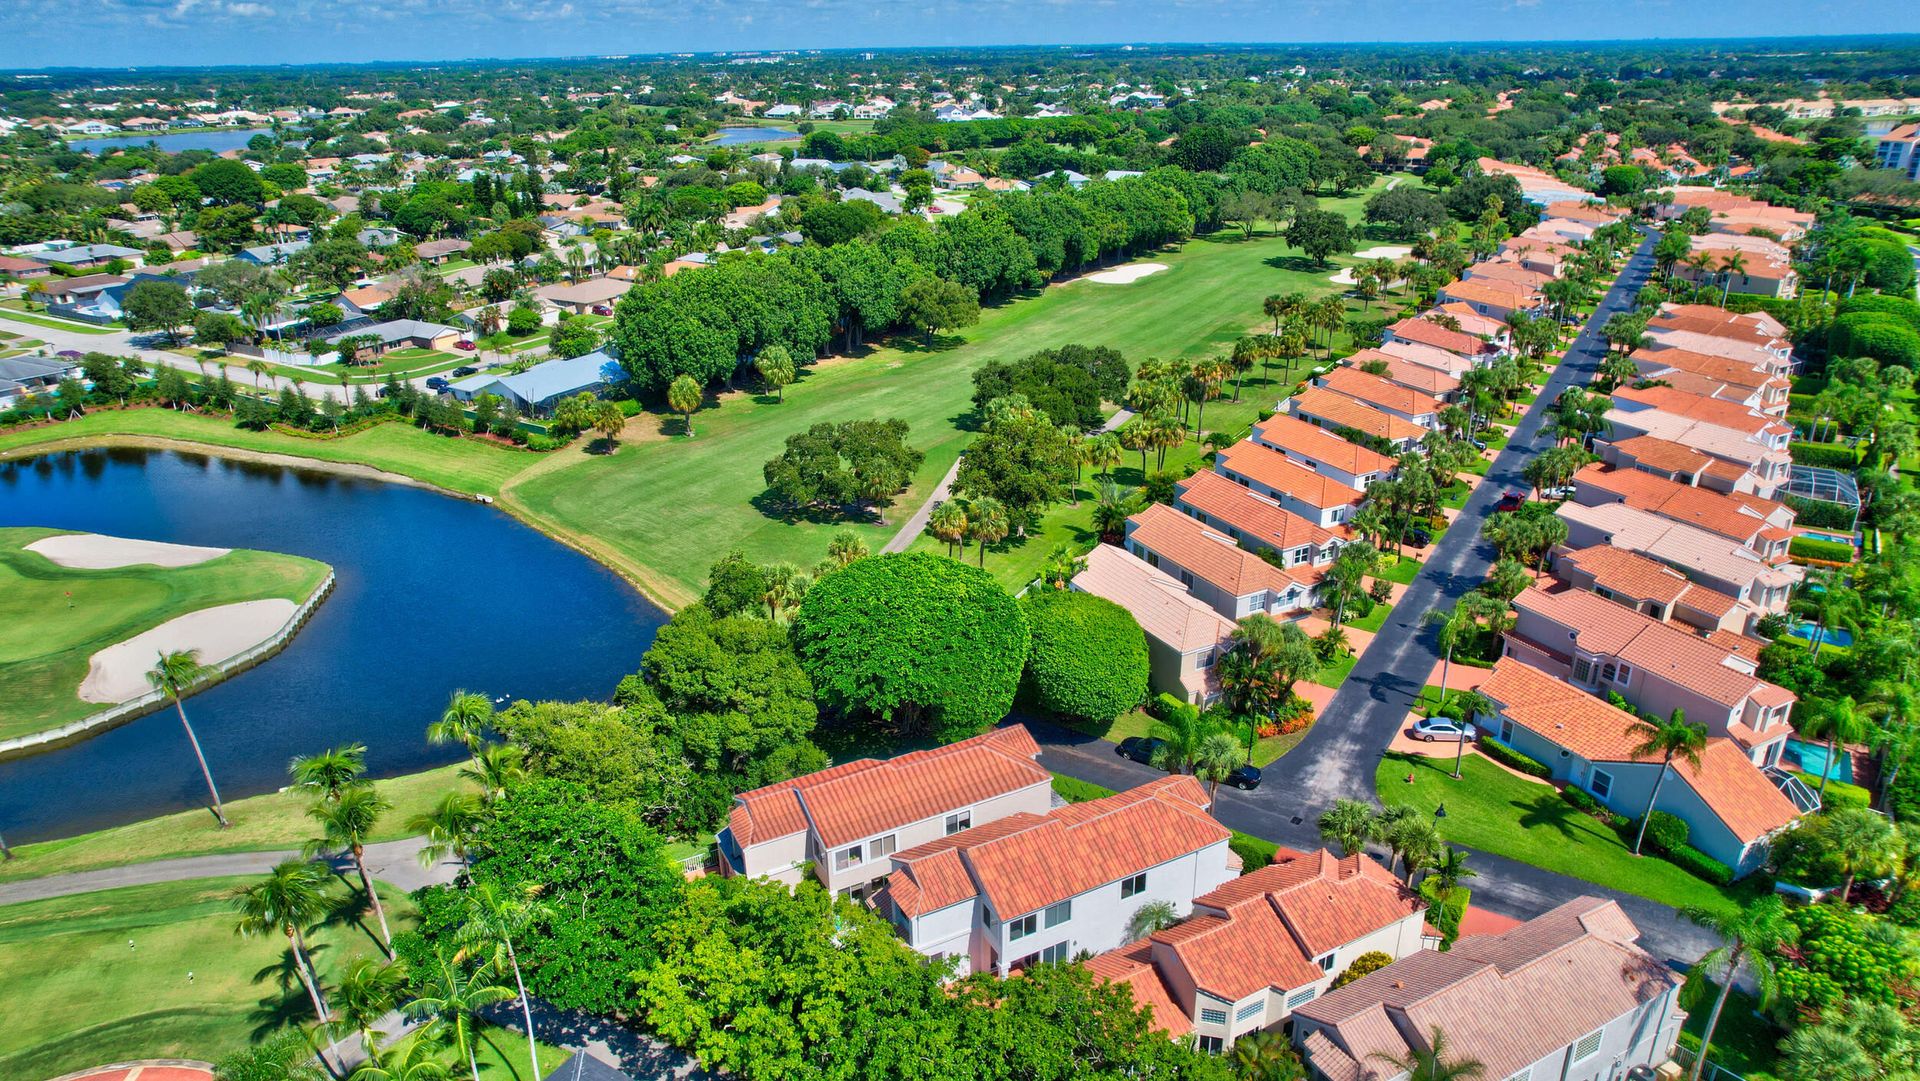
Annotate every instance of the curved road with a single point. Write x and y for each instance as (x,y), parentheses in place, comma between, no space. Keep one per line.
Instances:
(1339,756)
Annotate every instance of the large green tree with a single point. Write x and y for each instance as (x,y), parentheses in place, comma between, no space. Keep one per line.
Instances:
(1088,658)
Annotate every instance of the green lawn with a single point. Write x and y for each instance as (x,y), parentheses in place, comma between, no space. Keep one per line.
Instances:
(54,618)
(1403,571)
(1495,811)
(273,821)
(13,309)
(1335,672)
(459,465)
(77,995)
(1372,621)
(1742,1042)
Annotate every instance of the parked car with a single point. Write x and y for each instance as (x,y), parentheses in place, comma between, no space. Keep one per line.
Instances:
(1141,749)
(463,371)
(436,382)
(1510,502)
(602,309)
(1476,442)
(1418,537)
(1245,777)
(464,344)
(1564,491)
(1444,729)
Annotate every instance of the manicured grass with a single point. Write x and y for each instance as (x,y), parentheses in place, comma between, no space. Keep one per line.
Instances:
(1372,621)
(260,823)
(1075,790)
(77,995)
(1403,571)
(459,465)
(1335,672)
(54,618)
(12,310)
(1492,810)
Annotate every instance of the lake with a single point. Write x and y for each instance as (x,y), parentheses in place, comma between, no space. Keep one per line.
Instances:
(214,139)
(740,136)
(434,593)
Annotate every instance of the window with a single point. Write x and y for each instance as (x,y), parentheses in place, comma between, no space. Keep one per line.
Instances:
(1186,579)
(1302,554)
(1300,997)
(1132,886)
(1582,670)
(847,857)
(1022,927)
(1610,672)
(1059,914)
(1152,560)
(1325,963)
(1057,953)
(1588,1046)
(1204,660)
(1211,1016)
(1524,1073)
(1251,1009)
(958,822)
(884,846)
(1623,674)
(1212,1045)
(1506,731)
(1601,783)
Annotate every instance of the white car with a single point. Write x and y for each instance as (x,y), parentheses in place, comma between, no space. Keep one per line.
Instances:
(1432,729)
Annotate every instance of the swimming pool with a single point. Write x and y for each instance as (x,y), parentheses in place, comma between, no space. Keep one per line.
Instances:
(1813,760)
(1832,636)
(1837,538)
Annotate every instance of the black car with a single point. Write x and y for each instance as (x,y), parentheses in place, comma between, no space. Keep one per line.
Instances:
(464,370)
(1245,778)
(436,382)
(1141,749)
(1419,538)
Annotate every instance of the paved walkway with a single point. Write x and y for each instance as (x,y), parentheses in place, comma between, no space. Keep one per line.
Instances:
(394,862)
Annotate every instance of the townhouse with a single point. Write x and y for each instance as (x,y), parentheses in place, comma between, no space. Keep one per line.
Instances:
(1650,586)
(1567,996)
(1711,559)
(1382,394)
(1714,376)
(1424,331)
(1772,357)
(1299,489)
(1256,522)
(1896,150)
(1760,524)
(1430,381)
(1034,888)
(1336,412)
(1731,808)
(1740,263)
(1497,270)
(1323,452)
(1484,327)
(1682,463)
(1492,297)
(1756,449)
(1599,645)
(1263,945)
(1185,636)
(1452,365)
(846,821)
(1233,581)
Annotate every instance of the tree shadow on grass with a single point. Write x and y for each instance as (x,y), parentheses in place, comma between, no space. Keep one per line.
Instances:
(286,1003)
(1555,816)
(772,506)
(913,344)
(1299,264)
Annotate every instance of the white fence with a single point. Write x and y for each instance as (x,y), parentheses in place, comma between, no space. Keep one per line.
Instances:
(122,712)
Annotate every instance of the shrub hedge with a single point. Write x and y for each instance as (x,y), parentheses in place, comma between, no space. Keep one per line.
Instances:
(1825,550)
(1667,832)
(1831,455)
(1088,658)
(1254,853)
(1818,513)
(1513,759)
(1699,865)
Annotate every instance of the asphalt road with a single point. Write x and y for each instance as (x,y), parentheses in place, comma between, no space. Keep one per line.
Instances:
(394,862)
(1339,756)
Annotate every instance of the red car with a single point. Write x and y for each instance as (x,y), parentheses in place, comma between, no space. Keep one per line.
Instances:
(464,344)
(602,309)
(1510,502)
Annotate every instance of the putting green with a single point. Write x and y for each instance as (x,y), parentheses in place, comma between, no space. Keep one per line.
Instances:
(53,619)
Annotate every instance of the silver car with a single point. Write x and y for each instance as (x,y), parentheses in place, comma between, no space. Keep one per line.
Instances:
(1443,729)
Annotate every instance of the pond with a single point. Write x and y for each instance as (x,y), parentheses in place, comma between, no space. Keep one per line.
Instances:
(214,139)
(434,593)
(741,136)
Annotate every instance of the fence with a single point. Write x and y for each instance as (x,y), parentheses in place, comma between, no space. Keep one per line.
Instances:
(122,712)
(1685,1055)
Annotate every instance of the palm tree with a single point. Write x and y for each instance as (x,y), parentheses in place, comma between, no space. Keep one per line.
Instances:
(847,547)
(449,827)
(948,523)
(1215,760)
(346,822)
(368,991)
(289,900)
(1669,739)
(1266,1055)
(452,1001)
(496,769)
(1841,722)
(1183,729)
(411,1060)
(177,674)
(987,523)
(1859,839)
(1103,454)
(464,721)
(1750,935)
(1730,264)
(1150,917)
(1432,1062)
(683,397)
(331,772)
(492,921)
(1451,868)
(1349,823)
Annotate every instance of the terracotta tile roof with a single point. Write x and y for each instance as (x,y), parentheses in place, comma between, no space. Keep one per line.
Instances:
(1262,520)
(1285,433)
(1736,373)
(1234,955)
(1499,270)
(1342,411)
(1738,517)
(1324,901)
(1506,1000)
(1606,629)
(1559,711)
(1492,293)
(1159,603)
(1377,391)
(1426,332)
(1629,573)
(1701,407)
(1132,966)
(1652,452)
(1208,555)
(1427,380)
(867,797)
(1695,552)
(1267,466)
(1739,643)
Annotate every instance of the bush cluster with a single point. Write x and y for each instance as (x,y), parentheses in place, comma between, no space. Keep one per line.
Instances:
(1513,759)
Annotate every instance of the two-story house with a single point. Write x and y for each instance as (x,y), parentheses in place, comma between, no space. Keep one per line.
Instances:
(1718,376)
(1689,465)
(1318,498)
(1567,996)
(1256,522)
(1262,945)
(1432,382)
(1650,586)
(848,820)
(1323,452)
(1753,443)
(1600,646)
(1235,582)
(1732,809)
(1335,412)
(1185,636)
(1382,394)
(1033,888)
(1492,297)
(1714,561)
(1760,524)
(1424,331)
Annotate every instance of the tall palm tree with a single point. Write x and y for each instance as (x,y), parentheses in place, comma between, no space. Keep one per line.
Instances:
(464,721)
(1215,760)
(451,1002)
(493,919)
(1451,868)
(1669,739)
(1860,840)
(332,771)
(1433,1062)
(1840,722)
(1183,729)
(449,827)
(346,822)
(987,523)
(368,991)
(1730,264)
(291,899)
(496,769)
(177,674)
(410,1060)
(948,523)
(1750,937)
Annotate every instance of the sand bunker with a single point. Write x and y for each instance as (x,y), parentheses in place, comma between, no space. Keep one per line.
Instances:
(1123,275)
(119,672)
(1383,251)
(94,551)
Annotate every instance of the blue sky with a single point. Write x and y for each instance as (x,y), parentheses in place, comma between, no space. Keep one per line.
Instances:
(112,33)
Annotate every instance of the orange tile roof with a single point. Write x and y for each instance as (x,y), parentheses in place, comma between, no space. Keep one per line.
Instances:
(1207,554)
(1628,573)
(1703,407)
(1664,454)
(1377,391)
(1499,270)
(1283,432)
(1427,332)
(1733,517)
(1420,377)
(1494,293)
(1157,601)
(1259,517)
(1267,466)
(1132,967)
(1345,412)
(1736,373)
(1606,629)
